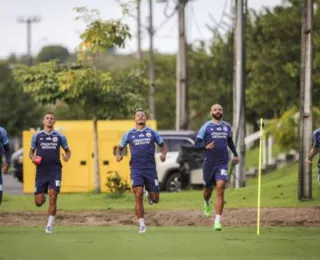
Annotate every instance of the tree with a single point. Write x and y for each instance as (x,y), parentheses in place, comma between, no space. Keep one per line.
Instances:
(18,110)
(101,95)
(53,52)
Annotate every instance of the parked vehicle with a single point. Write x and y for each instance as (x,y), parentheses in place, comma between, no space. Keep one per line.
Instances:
(169,173)
(190,160)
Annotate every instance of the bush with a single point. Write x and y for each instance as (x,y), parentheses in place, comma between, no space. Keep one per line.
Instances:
(116,185)
(285,129)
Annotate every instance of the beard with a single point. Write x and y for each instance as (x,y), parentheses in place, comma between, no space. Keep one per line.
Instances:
(217,116)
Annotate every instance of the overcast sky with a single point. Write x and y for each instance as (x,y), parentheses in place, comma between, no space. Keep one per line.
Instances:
(58,25)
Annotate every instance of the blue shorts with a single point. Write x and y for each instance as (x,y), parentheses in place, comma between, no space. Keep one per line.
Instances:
(213,172)
(145,177)
(52,181)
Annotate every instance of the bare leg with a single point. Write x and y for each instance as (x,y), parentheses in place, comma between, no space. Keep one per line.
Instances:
(207,192)
(39,199)
(220,185)
(138,194)
(53,196)
(154,196)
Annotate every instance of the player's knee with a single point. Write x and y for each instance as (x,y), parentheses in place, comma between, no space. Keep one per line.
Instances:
(138,194)
(39,203)
(155,200)
(220,191)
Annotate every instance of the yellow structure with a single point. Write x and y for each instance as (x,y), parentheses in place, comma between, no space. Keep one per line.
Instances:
(78,173)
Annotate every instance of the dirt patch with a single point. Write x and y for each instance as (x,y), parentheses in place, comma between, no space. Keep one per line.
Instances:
(231,217)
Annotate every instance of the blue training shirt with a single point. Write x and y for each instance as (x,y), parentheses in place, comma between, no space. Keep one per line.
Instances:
(142,146)
(219,133)
(47,146)
(3,141)
(316,138)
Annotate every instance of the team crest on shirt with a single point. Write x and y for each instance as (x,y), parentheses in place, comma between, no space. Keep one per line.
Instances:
(225,129)
(148,134)
(55,139)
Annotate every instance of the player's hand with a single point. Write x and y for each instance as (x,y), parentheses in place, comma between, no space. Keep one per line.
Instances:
(65,157)
(5,168)
(235,160)
(210,146)
(308,160)
(34,159)
(163,157)
(119,158)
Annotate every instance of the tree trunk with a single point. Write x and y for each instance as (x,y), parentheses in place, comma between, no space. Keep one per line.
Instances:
(96,156)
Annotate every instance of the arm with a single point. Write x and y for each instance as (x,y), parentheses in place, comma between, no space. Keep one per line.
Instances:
(7,151)
(32,155)
(200,143)
(161,143)
(32,151)
(163,151)
(5,165)
(119,156)
(233,150)
(314,149)
(5,144)
(67,155)
(120,147)
(232,147)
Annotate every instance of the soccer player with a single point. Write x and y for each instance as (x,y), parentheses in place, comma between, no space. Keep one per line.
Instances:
(141,140)
(4,166)
(315,149)
(217,137)
(45,153)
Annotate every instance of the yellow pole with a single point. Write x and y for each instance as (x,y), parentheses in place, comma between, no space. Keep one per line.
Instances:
(261,125)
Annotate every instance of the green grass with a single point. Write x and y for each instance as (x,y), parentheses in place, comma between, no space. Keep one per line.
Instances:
(74,243)
(279,189)
(252,156)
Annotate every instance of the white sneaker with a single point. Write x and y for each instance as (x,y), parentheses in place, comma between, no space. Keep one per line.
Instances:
(146,193)
(142,229)
(48,230)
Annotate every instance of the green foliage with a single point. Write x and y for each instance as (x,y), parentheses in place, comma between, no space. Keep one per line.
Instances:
(53,52)
(116,185)
(18,110)
(285,130)
(100,35)
(41,81)
(211,79)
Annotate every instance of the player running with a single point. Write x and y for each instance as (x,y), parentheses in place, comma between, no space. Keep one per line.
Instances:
(45,153)
(142,141)
(216,135)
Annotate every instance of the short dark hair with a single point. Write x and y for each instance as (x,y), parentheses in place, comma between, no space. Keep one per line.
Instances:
(48,113)
(139,109)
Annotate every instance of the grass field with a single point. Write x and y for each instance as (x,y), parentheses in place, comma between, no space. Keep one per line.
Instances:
(279,189)
(74,243)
